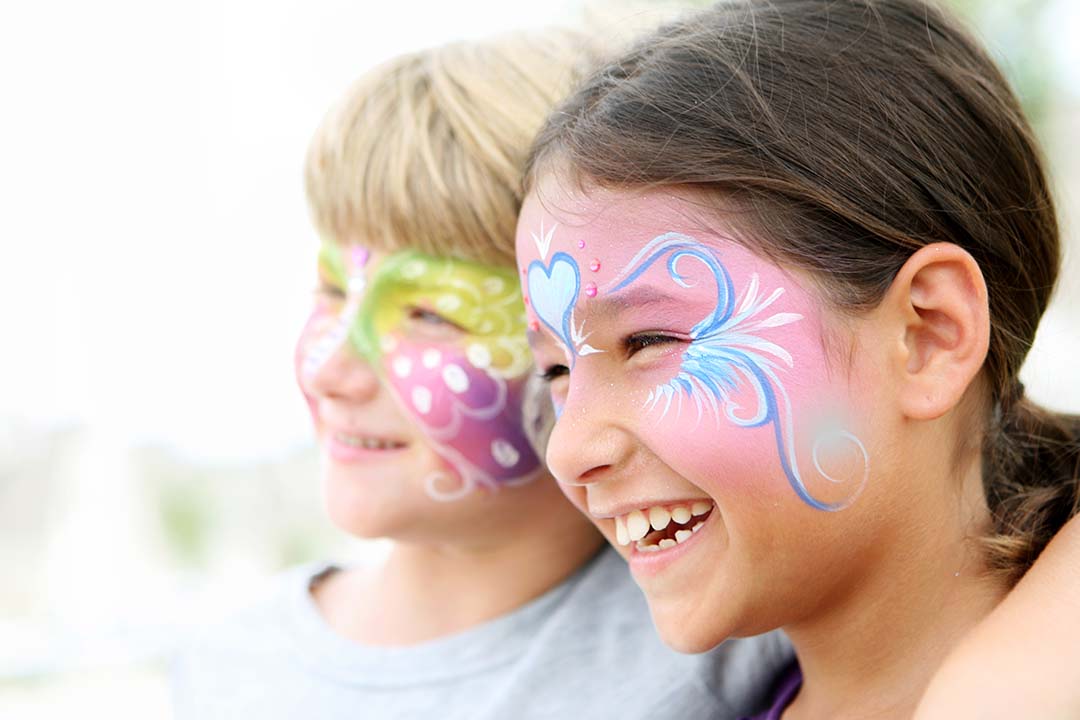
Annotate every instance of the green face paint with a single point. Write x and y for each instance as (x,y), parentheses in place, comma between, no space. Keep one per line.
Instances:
(448,337)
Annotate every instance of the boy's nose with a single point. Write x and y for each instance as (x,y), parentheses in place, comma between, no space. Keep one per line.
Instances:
(342,374)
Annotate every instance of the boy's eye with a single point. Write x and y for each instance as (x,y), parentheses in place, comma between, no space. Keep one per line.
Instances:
(431,319)
(555,371)
(636,343)
(329,290)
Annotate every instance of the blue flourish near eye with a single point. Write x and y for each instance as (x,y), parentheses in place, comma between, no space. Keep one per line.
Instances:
(725,354)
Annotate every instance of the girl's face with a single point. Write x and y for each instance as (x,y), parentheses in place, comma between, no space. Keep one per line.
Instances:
(414,368)
(701,424)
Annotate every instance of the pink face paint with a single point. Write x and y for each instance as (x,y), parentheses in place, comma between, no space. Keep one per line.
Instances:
(447,337)
(473,418)
(710,353)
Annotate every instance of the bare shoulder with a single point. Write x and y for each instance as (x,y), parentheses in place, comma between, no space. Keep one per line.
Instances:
(1023,660)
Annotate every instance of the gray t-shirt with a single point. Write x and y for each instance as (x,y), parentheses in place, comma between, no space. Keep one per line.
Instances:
(585,649)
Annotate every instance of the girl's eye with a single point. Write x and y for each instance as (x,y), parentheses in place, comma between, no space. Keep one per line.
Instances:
(637,343)
(555,371)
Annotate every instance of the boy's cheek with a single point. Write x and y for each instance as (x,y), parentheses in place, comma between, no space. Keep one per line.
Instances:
(474,416)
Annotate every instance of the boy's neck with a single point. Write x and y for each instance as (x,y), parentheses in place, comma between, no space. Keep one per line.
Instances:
(873,652)
(428,590)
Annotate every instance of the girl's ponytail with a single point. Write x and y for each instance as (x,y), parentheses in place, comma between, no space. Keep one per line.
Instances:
(1031,472)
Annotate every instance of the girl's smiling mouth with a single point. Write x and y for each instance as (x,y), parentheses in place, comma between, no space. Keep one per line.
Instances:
(659,527)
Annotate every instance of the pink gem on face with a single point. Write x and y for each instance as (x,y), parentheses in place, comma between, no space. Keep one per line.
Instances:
(590,289)
(594,265)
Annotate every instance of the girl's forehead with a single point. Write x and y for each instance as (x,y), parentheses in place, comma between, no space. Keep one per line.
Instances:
(605,231)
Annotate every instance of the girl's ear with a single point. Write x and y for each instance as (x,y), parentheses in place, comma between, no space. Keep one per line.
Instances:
(937,312)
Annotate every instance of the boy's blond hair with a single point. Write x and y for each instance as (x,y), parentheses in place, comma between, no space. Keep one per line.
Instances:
(426,151)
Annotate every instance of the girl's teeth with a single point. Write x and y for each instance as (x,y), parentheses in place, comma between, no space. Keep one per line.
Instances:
(659,517)
(635,525)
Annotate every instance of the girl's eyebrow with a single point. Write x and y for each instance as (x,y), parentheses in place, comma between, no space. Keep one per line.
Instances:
(635,298)
(673,309)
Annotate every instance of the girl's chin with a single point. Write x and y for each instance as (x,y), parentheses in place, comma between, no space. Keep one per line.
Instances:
(682,636)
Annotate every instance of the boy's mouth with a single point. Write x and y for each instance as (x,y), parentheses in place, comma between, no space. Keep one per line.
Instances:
(367,442)
(660,527)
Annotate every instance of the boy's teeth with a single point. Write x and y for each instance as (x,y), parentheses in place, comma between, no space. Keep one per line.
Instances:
(636,525)
(621,536)
(681,535)
(700,508)
(666,543)
(368,443)
(680,514)
(659,517)
(697,527)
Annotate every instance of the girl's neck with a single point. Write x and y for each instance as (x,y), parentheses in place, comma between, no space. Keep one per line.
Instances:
(428,590)
(871,652)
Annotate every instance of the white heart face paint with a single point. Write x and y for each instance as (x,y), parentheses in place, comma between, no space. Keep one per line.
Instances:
(689,372)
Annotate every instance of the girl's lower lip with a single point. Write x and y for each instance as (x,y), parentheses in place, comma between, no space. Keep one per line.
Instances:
(651,563)
(344,453)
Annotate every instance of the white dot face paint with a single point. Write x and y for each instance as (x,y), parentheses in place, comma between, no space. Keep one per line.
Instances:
(414,269)
(479,356)
(448,303)
(421,400)
(401,366)
(431,358)
(455,378)
(504,453)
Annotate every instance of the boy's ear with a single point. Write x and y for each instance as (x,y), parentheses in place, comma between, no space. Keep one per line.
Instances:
(938,313)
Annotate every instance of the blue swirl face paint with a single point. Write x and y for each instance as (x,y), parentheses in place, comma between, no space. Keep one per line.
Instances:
(733,359)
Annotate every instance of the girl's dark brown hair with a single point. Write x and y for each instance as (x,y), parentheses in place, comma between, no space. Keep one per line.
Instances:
(851,133)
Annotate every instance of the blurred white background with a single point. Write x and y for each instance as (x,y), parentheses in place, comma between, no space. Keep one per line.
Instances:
(156,264)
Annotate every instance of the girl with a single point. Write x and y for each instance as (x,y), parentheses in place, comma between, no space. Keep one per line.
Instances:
(783,262)
(496,592)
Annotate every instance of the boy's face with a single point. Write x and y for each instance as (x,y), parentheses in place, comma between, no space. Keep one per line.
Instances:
(415,370)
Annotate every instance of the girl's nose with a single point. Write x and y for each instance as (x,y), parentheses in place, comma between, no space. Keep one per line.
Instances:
(586,444)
